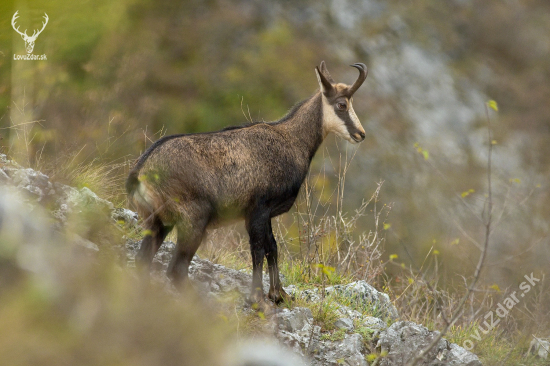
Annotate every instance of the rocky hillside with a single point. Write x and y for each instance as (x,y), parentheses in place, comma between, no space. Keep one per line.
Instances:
(37,213)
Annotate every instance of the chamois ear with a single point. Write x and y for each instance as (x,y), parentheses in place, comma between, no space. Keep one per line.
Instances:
(324,83)
(324,71)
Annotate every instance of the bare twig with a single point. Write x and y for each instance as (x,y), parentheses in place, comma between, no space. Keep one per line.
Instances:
(458,311)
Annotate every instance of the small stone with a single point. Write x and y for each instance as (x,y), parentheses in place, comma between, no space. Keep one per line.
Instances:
(84,243)
(374,323)
(127,217)
(344,323)
(294,320)
(4,178)
(539,347)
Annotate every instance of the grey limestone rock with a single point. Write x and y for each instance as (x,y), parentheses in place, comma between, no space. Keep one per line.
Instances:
(219,279)
(376,325)
(349,351)
(297,331)
(344,323)
(4,178)
(293,320)
(35,184)
(402,340)
(263,353)
(366,295)
(540,347)
(129,217)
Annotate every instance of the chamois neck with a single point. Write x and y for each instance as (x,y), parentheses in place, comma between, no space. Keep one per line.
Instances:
(304,125)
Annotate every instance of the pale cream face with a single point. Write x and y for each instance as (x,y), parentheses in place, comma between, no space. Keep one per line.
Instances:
(334,124)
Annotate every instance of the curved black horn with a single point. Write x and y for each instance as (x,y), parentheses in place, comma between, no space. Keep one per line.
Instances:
(363,72)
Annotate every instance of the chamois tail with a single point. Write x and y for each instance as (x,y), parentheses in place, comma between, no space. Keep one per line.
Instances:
(132,182)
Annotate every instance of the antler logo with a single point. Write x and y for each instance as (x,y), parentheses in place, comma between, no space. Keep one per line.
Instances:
(29,41)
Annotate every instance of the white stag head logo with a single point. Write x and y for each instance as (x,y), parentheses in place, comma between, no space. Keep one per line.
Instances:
(29,41)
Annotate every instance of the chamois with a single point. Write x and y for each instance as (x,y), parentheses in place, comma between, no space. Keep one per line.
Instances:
(251,172)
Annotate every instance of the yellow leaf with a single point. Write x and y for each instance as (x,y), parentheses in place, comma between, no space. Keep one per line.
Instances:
(411,281)
(393,256)
(494,142)
(455,242)
(147,232)
(402,265)
(387,226)
(261,315)
(493,105)
(515,180)
(495,287)
(426,154)
(328,270)
(371,358)
(467,193)
(435,252)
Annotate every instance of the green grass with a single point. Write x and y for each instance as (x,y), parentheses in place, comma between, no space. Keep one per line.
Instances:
(496,347)
(337,335)
(365,332)
(297,272)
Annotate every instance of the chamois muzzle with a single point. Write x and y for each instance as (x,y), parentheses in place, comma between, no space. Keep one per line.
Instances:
(363,72)
(358,136)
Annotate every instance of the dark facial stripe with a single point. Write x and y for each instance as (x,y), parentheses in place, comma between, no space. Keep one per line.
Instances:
(348,122)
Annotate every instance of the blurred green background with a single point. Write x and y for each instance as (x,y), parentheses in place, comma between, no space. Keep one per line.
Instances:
(121,73)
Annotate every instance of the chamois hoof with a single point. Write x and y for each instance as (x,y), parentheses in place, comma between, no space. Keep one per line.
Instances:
(259,303)
(262,306)
(280,296)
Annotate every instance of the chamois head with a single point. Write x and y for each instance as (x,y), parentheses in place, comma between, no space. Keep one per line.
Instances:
(338,114)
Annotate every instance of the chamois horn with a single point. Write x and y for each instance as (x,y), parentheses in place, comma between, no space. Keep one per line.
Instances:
(363,72)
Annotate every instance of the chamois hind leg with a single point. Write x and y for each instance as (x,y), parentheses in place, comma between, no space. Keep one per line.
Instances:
(189,239)
(155,232)
(257,226)
(276,292)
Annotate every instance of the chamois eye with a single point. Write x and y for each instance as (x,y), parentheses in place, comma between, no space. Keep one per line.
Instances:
(341,106)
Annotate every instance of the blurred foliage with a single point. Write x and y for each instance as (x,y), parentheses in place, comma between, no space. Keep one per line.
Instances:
(64,303)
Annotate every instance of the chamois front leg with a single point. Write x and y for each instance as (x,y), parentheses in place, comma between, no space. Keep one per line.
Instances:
(276,292)
(257,227)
